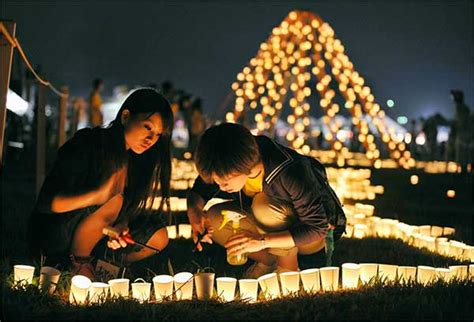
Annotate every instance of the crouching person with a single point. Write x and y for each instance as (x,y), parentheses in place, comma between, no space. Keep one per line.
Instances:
(105,177)
(288,203)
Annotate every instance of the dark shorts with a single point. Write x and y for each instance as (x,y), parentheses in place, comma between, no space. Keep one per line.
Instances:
(52,234)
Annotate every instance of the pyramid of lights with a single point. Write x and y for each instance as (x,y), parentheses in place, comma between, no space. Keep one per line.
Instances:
(303,59)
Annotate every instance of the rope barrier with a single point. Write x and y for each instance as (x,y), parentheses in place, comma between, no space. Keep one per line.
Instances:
(15,43)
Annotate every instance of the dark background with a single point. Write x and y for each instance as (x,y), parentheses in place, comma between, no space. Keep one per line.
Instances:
(413,52)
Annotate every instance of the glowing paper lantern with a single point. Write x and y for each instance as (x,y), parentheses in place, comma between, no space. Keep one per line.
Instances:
(226,288)
(350,275)
(448,231)
(425,274)
(269,285)
(141,290)
(459,271)
(185,231)
(163,285)
(79,288)
(98,292)
(290,282)
(171,232)
(119,287)
(183,284)
(456,248)
(451,193)
(368,271)
(49,277)
(248,289)
(204,285)
(444,274)
(387,272)
(360,231)
(425,230)
(349,231)
(406,273)
(23,274)
(310,279)
(471,271)
(329,278)
(436,231)
(414,179)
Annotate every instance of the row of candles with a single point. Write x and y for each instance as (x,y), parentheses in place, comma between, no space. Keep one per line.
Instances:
(181,286)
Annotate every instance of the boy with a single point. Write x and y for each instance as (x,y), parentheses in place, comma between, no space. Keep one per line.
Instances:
(285,196)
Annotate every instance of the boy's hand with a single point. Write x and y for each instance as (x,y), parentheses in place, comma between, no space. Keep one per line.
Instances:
(199,224)
(244,242)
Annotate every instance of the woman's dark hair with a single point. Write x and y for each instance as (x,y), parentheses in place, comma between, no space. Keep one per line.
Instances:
(149,173)
(226,149)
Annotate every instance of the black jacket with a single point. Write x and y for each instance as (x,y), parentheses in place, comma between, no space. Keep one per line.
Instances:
(297,179)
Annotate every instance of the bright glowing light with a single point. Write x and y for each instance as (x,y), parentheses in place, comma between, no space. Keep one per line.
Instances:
(402,120)
(390,103)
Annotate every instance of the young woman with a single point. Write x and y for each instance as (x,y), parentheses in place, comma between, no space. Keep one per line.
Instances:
(108,177)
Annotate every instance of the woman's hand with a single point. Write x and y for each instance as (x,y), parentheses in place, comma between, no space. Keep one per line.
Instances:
(244,242)
(199,224)
(118,242)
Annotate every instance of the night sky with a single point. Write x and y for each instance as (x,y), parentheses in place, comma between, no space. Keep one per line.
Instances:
(413,52)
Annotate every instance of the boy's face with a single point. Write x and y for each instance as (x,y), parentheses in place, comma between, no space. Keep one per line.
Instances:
(231,183)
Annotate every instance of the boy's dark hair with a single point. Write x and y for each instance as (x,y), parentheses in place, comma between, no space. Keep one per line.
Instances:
(226,149)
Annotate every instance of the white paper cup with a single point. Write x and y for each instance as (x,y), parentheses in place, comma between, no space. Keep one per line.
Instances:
(163,285)
(350,275)
(49,277)
(98,292)
(141,291)
(471,272)
(311,280)
(226,288)
(290,282)
(443,274)
(204,285)
(425,274)
(248,289)
(23,274)
(459,272)
(329,278)
(79,289)
(185,231)
(183,285)
(406,273)
(172,234)
(368,271)
(119,287)
(269,285)
(388,273)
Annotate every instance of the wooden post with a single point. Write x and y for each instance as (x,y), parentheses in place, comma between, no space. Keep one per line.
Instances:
(63,100)
(40,137)
(6,54)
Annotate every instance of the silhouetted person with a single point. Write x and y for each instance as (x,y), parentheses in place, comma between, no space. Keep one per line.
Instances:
(95,103)
(197,124)
(462,130)
(430,128)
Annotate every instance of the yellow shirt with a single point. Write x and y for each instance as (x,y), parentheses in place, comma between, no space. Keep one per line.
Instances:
(254,185)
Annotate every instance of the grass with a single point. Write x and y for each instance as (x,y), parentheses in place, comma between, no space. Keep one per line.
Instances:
(422,204)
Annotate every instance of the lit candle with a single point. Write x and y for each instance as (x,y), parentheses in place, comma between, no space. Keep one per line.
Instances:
(407,273)
(311,280)
(141,290)
(350,275)
(185,231)
(425,274)
(290,282)
(226,288)
(119,287)
(79,289)
(248,289)
(98,292)
(269,285)
(329,278)
(163,285)
(459,271)
(368,271)
(23,274)
(183,284)
(388,272)
(444,274)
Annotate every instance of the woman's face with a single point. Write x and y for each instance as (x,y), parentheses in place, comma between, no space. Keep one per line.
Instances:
(141,133)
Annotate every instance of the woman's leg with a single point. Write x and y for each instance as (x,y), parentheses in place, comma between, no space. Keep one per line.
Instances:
(158,240)
(89,231)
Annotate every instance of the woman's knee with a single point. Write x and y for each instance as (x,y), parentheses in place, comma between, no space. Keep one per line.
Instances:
(110,210)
